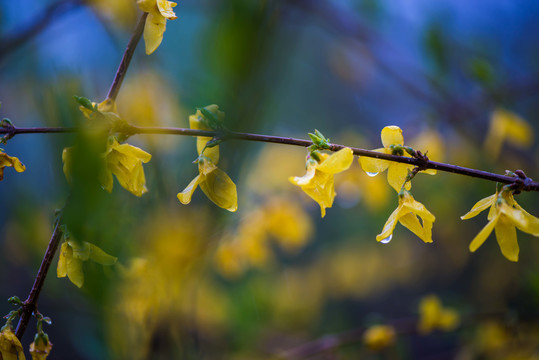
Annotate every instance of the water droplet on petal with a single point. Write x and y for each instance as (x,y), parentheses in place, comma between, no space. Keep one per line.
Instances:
(372,173)
(387,239)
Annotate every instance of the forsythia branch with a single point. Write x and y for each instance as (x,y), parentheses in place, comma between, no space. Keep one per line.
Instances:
(30,304)
(521,183)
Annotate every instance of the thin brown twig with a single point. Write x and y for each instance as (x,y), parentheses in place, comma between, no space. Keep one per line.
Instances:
(30,305)
(529,184)
(126,58)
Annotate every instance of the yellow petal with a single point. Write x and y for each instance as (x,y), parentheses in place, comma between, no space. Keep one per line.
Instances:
(484,233)
(396,175)
(61,269)
(10,161)
(133,153)
(74,271)
(205,167)
(480,206)
(532,226)
(373,165)
(392,135)
(390,224)
(516,216)
(10,346)
(506,234)
(417,208)
(153,32)
(80,251)
(411,222)
(220,189)
(322,190)
(337,162)
(165,8)
(187,193)
(147,5)
(99,256)
(305,179)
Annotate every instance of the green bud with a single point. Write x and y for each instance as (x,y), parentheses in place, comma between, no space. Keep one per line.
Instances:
(14,300)
(211,119)
(85,102)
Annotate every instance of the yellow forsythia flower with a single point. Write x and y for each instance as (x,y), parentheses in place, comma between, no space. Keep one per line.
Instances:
(72,254)
(507,126)
(432,316)
(10,161)
(214,182)
(396,172)
(318,182)
(379,337)
(159,11)
(125,161)
(41,347)
(504,215)
(407,214)
(10,346)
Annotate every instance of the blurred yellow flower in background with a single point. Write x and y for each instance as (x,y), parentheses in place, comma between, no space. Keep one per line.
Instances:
(379,337)
(287,223)
(122,12)
(407,214)
(505,215)
(9,161)
(318,183)
(159,11)
(506,126)
(168,288)
(396,172)
(432,316)
(148,99)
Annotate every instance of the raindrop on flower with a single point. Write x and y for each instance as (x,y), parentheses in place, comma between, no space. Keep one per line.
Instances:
(387,239)
(372,173)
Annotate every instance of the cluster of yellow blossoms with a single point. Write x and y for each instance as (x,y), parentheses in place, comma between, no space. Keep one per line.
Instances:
(122,160)
(505,215)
